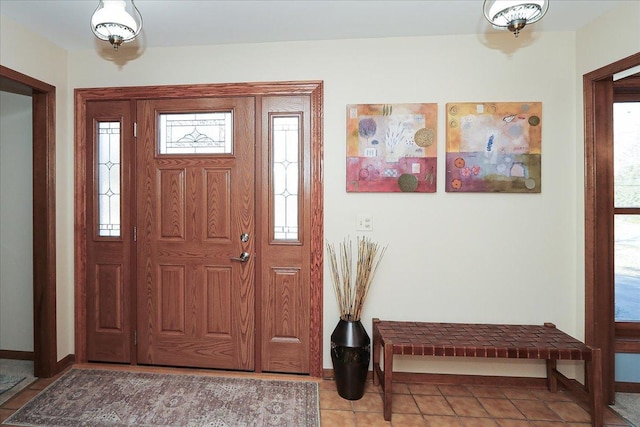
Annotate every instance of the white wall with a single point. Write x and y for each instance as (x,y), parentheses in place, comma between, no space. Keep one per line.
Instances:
(16,223)
(36,57)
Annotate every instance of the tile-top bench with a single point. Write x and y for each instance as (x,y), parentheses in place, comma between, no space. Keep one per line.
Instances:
(484,340)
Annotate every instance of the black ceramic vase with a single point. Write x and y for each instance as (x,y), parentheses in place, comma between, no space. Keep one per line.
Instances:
(350,354)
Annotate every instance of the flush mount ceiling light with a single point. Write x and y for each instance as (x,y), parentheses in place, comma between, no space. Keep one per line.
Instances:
(118,21)
(514,15)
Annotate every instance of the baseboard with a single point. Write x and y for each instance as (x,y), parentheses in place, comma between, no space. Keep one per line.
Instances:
(457,379)
(627,387)
(16,355)
(66,362)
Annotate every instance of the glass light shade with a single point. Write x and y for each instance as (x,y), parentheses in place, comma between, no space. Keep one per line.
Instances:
(116,21)
(514,15)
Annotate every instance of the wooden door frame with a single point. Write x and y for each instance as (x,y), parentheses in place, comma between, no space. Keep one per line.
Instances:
(598,140)
(313,89)
(44,215)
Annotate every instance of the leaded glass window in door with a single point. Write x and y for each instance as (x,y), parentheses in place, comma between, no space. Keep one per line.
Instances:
(108,159)
(286,176)
(196,133)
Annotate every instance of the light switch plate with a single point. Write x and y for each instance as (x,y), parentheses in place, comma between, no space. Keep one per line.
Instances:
(364,222)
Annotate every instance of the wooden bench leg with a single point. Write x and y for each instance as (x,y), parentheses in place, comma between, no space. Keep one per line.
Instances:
(552,380)
(388,380)
(594,373)
(376,353)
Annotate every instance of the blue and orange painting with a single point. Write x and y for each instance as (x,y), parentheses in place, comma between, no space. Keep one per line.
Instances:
(494,147)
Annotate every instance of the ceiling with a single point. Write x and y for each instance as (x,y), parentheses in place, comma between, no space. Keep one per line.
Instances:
(201,22)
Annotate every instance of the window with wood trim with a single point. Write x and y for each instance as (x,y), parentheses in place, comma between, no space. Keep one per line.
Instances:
(626,213)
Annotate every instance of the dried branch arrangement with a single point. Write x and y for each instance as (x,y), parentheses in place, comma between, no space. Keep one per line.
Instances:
(351,294)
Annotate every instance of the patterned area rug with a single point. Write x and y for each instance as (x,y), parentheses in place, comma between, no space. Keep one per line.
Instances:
(90,397)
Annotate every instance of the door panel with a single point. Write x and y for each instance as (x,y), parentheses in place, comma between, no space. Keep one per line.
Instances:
(109,238)
(195,302)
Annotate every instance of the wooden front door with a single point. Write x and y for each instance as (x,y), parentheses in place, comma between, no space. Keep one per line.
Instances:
(196,232)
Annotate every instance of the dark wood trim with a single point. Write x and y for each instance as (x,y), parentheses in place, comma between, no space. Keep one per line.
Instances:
(598,135)
(627,345)
(260,213)
(44,219)
(317,230)
(80,225)
(16,355)
(627,329)
(627,89)
(627,387)
(66,362)
(312,88)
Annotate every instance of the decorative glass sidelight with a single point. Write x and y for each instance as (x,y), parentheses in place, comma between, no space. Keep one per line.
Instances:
(196,133)
(286,176)
(108,148)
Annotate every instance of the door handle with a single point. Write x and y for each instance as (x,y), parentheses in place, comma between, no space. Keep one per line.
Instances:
(244,257)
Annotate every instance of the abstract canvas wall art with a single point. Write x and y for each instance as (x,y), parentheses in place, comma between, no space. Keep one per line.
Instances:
(494,147)
(392,147)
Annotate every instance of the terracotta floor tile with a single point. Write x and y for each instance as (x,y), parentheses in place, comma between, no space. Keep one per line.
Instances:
(41,384)
(546,395)
(570,411)
(454,390)
(518,393)
(442,421)
(370,388)
(513,423)
(368,419)
(466,406)
(330,418)
(485,391)
(330,399)
(433,405)
(536,410)
(430,389)
(20,399)
(478,422)
(500,408)
(548,424)
(370,402)
(404,404)
(400,388)
(4,414)
(327,385)
(408,420)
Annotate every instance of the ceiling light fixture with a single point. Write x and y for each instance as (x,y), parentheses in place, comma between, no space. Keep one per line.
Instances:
(118,21)
(514,15)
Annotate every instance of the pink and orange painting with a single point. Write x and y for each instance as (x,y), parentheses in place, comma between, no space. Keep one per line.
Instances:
(494,147)
(392,148)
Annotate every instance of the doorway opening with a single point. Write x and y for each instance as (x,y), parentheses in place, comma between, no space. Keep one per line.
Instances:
(601,328)
(44,241)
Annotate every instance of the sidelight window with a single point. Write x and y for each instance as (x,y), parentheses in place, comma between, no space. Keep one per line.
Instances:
(286,176)
(108,149)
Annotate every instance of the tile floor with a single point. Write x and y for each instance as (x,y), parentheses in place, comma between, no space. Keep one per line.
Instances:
(428,405)
(431,405)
